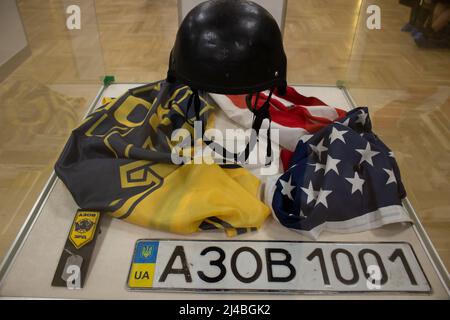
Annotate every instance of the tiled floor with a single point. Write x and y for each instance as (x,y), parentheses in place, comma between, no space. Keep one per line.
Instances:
(406,88)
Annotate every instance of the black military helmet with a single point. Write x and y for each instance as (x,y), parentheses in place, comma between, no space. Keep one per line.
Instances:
(229,47)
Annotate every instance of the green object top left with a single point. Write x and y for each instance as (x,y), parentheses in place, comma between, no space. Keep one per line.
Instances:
(107,80)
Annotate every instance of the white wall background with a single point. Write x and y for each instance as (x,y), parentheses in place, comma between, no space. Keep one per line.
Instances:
(275,7)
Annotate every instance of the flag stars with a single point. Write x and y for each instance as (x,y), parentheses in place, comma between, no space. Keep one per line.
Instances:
(310,192)
(332,164)
(319,148)
(322,197)
(319,196)
(367,154)
(356,182)
(391,176)
(287,188)
(337,135)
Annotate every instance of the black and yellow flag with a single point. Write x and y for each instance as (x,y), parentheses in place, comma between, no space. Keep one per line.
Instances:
(119,161)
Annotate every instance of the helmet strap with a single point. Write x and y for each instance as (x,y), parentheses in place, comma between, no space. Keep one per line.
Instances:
(194,97)
(197,104)
(258,117)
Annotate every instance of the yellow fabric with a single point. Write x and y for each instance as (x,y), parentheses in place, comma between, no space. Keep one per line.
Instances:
(193,193)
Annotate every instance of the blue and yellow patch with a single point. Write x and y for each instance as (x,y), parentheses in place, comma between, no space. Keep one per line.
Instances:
(143,264)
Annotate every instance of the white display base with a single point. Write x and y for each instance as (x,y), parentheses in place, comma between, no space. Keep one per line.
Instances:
(29,267)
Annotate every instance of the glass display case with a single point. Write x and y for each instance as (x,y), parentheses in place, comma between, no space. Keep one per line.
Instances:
(63,58)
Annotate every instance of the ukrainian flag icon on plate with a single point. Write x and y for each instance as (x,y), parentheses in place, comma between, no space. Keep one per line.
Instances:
(143,265)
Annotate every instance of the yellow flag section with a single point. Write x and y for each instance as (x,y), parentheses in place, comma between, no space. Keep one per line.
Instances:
(195,197)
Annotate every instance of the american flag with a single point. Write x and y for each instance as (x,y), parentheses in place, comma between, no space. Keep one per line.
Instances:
(341,179)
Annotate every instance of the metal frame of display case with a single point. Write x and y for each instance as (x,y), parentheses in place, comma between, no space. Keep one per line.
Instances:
(34,214)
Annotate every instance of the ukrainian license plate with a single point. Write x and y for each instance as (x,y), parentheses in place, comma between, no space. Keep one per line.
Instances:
(275,266)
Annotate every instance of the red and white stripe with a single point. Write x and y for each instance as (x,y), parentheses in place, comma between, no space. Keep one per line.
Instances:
(293,114)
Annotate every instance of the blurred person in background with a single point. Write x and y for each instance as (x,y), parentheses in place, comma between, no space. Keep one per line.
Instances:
(429,22)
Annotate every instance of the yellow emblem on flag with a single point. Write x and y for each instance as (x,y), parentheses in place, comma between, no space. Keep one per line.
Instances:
(83,228)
